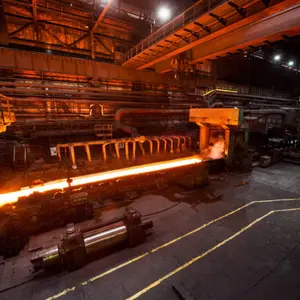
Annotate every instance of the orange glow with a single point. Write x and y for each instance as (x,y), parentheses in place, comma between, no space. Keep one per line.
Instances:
(12,197)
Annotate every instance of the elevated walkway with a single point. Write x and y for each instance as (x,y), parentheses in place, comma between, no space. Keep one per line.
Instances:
(212,28)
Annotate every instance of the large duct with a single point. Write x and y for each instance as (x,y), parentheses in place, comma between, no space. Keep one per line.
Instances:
(132,130)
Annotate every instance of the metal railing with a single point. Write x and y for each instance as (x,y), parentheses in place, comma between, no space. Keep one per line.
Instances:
(219,88)
(155,145)
(6,115)
(243,89)
(188,16)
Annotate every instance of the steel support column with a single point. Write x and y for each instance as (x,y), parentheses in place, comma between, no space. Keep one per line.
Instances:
(92,40)
(4,39)
(35,19)
(204,137)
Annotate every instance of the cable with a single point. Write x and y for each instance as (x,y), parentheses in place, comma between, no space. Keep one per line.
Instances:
(160,211)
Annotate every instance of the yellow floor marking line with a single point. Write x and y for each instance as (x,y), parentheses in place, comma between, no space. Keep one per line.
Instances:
(195,259)
(67,290)
(275,200)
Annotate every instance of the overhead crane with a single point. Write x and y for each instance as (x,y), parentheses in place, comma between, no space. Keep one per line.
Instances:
(212,29)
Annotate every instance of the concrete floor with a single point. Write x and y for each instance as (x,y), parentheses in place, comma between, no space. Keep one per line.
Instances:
(221,242)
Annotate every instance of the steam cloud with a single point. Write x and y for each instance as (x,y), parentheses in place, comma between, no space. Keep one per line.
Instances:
(214,150)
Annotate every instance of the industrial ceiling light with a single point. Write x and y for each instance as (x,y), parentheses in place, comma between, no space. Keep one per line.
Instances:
(290,63)
(164,14)
(277,57)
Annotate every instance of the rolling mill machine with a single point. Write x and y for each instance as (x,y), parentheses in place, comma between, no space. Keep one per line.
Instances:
(223,133)
(105,169)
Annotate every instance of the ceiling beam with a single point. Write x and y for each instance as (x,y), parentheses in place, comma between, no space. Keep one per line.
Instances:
(103,45)
(67,14)
(102,15)
(20,29)
(52,35)
(69,27)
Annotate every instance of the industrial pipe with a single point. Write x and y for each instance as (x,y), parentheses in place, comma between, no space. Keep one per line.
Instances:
(158,143)
(265,111)
(133,148)
(142,149)
(117,148)
(88,152)
(183,145)
(72,92)
(190,142)
(140,140)
(86,145)
(150,145)
(171,143)
(178,143)
(133,131)
(60,184)
(116,144)
(104,150)
(217,104)
(165,143)
(101,108)
(93,100)
(72,155)
(82,88)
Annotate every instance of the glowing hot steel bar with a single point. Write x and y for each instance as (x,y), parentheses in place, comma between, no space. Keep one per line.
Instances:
(12,197)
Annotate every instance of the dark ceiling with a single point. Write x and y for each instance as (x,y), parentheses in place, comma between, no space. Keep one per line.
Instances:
(288,48)
(257,66)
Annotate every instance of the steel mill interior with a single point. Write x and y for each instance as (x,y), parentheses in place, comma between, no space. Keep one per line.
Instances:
(149,149)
